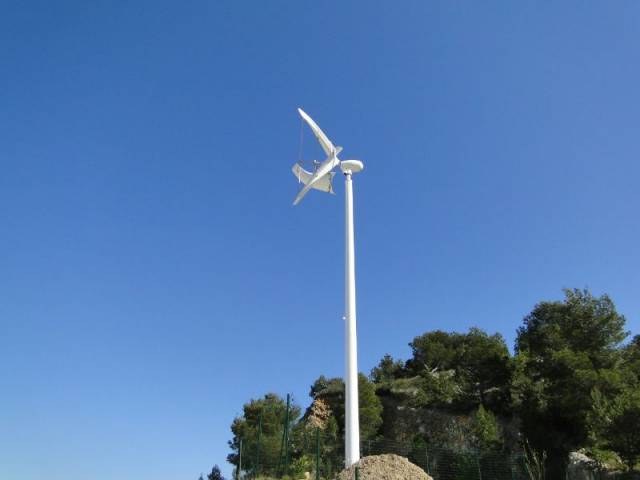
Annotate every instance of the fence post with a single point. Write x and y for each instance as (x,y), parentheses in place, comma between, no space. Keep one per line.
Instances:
(479,467)
(317,453)
(426,454)
(286,433)
(239,461)
(284,446)
(357,472)
(257,467)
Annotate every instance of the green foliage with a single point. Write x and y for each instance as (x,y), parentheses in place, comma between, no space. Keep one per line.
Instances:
(570,385)
(631,358)
(616,424)
(331,391)
(448,377)
(603,459)
(370,406)
(400,417)
(582,323)
(331,448)
(446,430)
(462,370)
(456,465)
(215,474)
(441,389)
(486,431)
(300,465)
(565,350)
(387,370)
(534,462)
(269,412)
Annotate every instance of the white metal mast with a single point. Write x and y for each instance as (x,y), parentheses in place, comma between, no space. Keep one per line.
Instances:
(352,421)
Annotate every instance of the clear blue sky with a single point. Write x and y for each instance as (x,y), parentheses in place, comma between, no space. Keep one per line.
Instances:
(153,273)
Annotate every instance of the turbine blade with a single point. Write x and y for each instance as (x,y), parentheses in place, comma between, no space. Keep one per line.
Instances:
(325,143)
(301,194)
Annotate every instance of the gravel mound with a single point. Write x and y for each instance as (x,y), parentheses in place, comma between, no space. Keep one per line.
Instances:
(384,467)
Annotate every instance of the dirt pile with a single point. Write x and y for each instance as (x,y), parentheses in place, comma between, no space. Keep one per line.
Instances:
(384,467)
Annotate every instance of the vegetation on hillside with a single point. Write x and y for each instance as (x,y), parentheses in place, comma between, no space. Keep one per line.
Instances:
(572,384)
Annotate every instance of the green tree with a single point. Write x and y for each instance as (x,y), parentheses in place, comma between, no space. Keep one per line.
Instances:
(370,408)
(631,358)
(215,474)
(486,430)
(617,424)
(266,415)
(565,350)
(387,370)
(436,392)
(318,417)
(623,433)
(463,370)
(331,391)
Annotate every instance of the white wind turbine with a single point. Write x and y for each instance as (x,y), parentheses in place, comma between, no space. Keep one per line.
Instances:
(321,179)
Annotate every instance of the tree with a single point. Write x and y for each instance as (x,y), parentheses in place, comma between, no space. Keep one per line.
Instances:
(331,392)
(267,416)
(447,378)
(486,430)
(387,370)
(463,370)
(616,424)
(631,358)
(215,474)
(320,419)
(623,433)
(565,350)
(370,408)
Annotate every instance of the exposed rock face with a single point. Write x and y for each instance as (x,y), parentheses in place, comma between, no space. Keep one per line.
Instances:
(580,466)
(318,414)
(384,467)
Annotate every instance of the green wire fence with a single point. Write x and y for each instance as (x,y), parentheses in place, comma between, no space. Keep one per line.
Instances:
(313,453)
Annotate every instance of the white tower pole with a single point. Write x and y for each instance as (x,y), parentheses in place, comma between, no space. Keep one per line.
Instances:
(352,423)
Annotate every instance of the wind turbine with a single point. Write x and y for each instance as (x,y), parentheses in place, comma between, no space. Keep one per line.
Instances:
(321,180)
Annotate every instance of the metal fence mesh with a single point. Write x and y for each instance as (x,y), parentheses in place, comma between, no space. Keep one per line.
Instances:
(313,454)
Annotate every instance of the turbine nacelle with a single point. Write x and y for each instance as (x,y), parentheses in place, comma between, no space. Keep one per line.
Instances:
(351,166)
